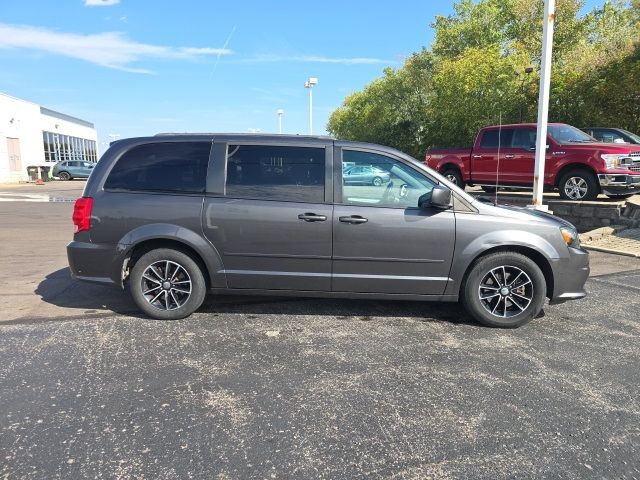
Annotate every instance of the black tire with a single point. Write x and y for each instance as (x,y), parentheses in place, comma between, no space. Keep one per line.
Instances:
(488,189)
(175,310)
(64,176)
(377,181)
(454,176)
(578,185)
(489,271)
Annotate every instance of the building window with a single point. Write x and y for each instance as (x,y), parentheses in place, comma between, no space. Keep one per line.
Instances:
(64,147)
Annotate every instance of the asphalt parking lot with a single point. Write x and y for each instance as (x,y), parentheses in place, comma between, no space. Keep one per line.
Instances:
(302,388)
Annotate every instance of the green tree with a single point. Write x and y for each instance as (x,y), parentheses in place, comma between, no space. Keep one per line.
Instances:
(392,110)
(440,97)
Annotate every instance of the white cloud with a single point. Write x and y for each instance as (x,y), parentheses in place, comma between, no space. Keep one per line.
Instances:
(100,3)
(108,49)
(316,59)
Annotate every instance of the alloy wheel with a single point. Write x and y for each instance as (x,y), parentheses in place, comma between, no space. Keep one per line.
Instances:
(452,178)
(166,285)
(576,188)
(506,291)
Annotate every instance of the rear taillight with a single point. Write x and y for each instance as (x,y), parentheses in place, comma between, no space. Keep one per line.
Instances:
(82,213)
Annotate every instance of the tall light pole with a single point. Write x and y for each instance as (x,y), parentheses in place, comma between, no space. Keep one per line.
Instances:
(310,83)
(523,99)
(280,112)
(543,103)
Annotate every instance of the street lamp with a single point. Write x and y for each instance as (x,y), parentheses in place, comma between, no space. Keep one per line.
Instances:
(280,112)
(527,71)
(310,83)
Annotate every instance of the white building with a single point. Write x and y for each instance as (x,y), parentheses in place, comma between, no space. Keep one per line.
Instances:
(34,135)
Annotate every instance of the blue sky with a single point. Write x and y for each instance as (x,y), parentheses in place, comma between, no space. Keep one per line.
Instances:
(137,67)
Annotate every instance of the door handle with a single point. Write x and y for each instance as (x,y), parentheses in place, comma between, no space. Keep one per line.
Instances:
(509,156)
(477,156)
(353,219)
(312,217)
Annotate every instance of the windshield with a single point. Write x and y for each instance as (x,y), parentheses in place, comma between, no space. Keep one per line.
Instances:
(569,134)
(635,137)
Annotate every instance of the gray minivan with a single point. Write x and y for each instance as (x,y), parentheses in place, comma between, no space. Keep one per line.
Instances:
(176,216)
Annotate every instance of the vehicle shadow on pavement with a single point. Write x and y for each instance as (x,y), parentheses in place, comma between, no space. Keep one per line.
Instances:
(363,310)
(60,289)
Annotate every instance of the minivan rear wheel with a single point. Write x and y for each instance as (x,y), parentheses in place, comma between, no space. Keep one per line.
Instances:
(504,289)
(167,284)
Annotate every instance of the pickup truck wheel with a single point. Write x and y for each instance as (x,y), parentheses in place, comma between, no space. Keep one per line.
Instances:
(578,185)
(504,289)
(167,284)
(454,176)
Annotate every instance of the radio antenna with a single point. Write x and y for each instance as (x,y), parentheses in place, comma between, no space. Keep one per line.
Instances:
(495,193)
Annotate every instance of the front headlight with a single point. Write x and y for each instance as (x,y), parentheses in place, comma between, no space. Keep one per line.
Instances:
(613,160)
(570,237)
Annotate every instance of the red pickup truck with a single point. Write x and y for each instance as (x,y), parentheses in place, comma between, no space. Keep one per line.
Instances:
(576,164)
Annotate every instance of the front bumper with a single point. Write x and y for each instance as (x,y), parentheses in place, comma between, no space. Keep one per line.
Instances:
(569,276)
(619,183)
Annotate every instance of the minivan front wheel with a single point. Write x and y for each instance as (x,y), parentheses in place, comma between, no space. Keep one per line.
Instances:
(167,284)
(504,289)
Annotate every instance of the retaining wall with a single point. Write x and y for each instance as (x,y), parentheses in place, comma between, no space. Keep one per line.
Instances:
(588,215)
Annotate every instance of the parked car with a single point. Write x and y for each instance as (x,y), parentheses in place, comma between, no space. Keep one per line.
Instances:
(365,175)
(176,216)
(612,135)
(70,169)
(576,164)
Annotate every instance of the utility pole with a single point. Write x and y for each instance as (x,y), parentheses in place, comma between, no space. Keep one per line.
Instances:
(543,104)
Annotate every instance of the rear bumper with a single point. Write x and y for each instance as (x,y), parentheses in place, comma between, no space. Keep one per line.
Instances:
(569,276)
(94,263)
(619,183)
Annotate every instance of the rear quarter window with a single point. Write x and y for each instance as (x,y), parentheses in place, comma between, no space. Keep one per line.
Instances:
(163,167)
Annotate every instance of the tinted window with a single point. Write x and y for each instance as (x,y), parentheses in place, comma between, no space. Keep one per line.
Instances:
(609,136)
(294,174)
(490,138)
(381,181)
(164,167)
(524,138)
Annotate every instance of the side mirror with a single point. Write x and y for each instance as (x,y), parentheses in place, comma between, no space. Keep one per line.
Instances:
(439,197)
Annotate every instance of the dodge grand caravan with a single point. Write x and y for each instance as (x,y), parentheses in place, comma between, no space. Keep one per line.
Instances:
(173,217)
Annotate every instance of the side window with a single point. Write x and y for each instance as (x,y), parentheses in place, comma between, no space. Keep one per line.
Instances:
(163,167)
(382,181)
(490,138)
(609,136)
(524,138)
(291,174)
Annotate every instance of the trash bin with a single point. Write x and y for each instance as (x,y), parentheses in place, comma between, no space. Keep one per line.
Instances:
(45,173)
(32,171)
